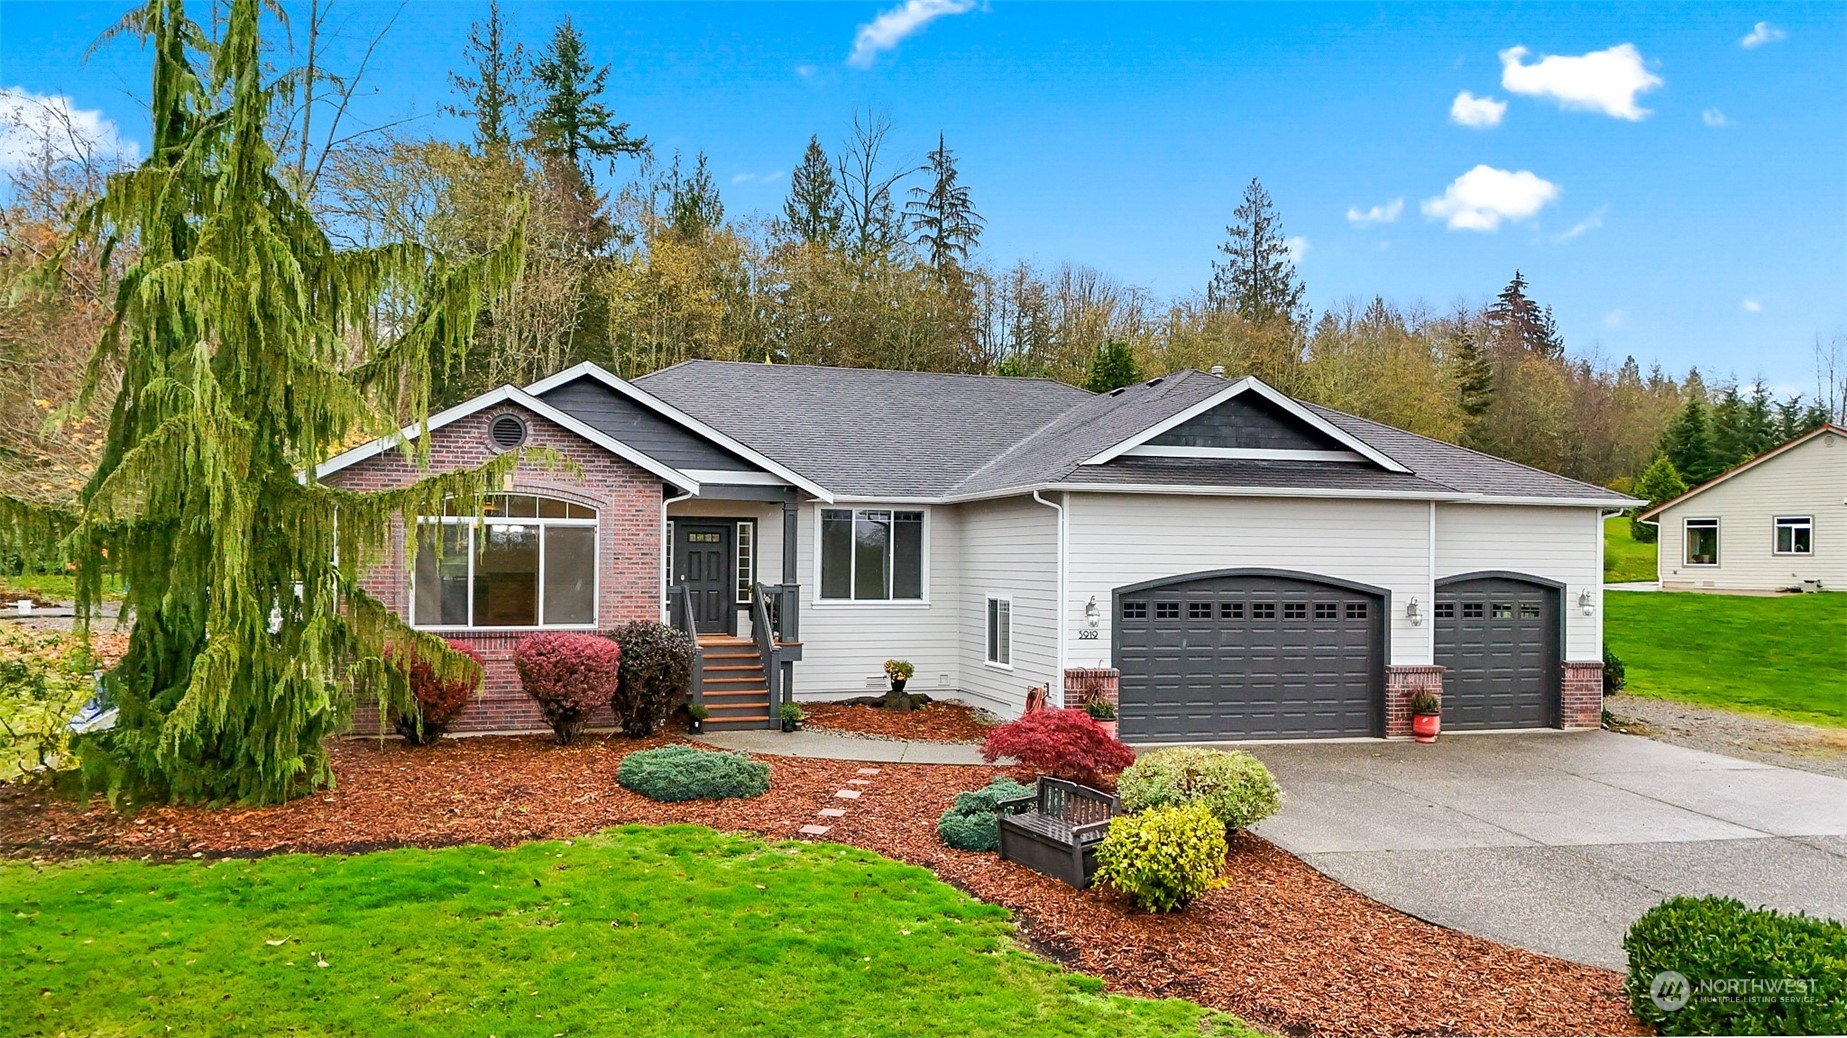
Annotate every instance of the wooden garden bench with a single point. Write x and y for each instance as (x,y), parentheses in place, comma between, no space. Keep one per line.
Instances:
(1056,830)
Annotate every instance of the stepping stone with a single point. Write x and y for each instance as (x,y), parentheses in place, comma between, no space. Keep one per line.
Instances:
(859,782)
(815,830)
(847,794)
(832,812)
(868,771)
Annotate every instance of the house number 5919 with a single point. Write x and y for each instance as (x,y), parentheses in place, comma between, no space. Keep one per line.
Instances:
(1087,634)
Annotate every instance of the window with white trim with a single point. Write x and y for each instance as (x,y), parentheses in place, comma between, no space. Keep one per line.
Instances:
(1795,535)
(872,554)
(746,558)
(1000,631)
(526,561)
(1702,542)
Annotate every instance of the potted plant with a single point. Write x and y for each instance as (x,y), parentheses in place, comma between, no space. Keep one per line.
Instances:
(899,671)
(695,718)
(791,714)
(1103,712)
(1426,715)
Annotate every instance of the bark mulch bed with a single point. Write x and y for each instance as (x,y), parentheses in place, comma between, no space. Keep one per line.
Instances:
(932,722)
(1282,946)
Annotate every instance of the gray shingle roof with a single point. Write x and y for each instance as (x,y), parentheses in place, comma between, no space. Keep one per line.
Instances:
(876,433)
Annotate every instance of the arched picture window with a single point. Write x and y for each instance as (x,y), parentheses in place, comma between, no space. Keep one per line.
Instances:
(526,561)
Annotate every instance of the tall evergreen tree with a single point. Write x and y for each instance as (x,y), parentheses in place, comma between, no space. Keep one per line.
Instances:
(493,84)
(1659,483)
(693,206)
(1687,442)
(1256,278)
(1474,375)
(249,350)
(570,125)
(947,225)
(812,211)
(1112,368)
(1518,325)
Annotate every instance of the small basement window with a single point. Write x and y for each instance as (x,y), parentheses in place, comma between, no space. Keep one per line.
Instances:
(1795,535)
(1702,542)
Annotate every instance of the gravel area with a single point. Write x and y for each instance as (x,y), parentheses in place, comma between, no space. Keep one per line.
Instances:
(1281,945)
(1753,737)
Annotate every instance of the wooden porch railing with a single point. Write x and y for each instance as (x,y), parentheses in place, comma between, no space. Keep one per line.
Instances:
(680,615)
(767,648)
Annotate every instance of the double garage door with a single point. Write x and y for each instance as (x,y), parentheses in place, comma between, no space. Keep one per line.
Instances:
(1268,655)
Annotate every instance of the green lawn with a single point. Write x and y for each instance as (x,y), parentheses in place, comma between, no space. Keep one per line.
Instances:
(56,587)
(668,931)
(1625,558)
(1785,656)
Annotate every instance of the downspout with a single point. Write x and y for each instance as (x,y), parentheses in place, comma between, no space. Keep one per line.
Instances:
(665,548)
(1058,680)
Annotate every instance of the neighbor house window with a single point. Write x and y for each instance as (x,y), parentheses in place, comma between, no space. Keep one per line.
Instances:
(526,561)
(1795,535)
(1000,631)
(1702,542)
(872,554)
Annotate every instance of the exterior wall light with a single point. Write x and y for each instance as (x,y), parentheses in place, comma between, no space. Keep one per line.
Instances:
(1584,602)
(1090,611)
(1414,613)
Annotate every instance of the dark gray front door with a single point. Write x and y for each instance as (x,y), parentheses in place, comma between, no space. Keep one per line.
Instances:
(1498,637)
(702,561)
(1249,655)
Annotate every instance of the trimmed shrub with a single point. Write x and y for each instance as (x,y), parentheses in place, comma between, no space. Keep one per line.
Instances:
(1164,858)
(1615,675)
(1745,970)
(1064,744)
(438,700)
(1234,786)
(676,773)
(568,675)
(657,675)
(969,824)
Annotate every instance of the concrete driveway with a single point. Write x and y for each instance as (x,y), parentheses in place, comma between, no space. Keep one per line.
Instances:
(1557,841)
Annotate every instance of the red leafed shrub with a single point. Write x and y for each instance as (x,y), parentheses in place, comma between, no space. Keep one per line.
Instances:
(569,675)
(438,701)
(1064,744)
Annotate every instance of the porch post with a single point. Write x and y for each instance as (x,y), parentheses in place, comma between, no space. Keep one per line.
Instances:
(788,538)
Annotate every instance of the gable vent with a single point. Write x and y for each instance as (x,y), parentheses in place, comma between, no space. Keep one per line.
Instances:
(508,432)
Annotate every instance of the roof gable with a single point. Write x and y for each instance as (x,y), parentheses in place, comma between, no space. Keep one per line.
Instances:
(1829,429)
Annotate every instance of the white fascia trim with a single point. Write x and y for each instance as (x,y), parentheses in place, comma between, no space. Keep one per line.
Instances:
(1250,383)
(1457,497)
(737,477)
(1149,450)
(674,414)
(510,395)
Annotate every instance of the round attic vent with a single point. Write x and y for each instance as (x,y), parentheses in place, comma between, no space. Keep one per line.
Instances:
(508,432)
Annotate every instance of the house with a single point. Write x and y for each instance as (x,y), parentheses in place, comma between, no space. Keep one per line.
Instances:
(1225,561)
(1777,521)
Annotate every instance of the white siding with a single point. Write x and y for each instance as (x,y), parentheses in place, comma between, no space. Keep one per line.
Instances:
(1561,544)
(1810,480)
(1009,549)
(1118,539)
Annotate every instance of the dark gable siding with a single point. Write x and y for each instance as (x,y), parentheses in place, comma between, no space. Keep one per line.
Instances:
(1248,421)
(610,412)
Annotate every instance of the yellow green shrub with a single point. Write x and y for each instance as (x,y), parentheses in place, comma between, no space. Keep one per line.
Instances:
(1165,857)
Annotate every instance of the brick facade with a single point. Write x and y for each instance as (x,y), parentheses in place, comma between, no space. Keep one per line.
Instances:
(1083,684)
(1401,682)
(1581,705)
(628,503)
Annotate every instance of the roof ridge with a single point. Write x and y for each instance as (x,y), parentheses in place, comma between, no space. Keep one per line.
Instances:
(856,368)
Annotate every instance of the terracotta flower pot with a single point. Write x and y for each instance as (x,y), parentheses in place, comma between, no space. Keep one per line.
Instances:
(1109,727)
(1424,727)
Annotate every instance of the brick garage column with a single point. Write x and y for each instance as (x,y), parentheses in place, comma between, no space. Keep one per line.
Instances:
(1581,694)
(1082,684)
(1401,682)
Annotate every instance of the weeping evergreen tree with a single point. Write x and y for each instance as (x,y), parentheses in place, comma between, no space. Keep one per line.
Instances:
(249,351)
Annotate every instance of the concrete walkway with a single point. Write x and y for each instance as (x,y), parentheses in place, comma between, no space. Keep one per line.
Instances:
(1557,841)
(834,746)
(1634,585)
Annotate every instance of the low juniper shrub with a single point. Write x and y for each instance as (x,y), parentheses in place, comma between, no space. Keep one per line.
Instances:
(1163,858)
(1615,675)
(1745,970)
(657,675)
(439,700)
(568,675)
(1064,744)
(1234,786)
(676,773)
(969,824)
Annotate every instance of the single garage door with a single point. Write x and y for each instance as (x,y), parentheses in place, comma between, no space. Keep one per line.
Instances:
(1242,654)
(1498,637)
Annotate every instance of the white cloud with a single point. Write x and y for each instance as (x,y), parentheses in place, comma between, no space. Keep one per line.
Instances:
(891,27)
(1713,117)
(1615,319)
(1387,213)
(1760,34)
(757,178)
(1602,81)
(1752,306)
(1585,226)
(1476,112)
(1298,247)
(806,71)
(30,122)
(1484,196)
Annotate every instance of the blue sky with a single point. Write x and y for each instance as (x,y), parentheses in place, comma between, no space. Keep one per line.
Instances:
(1679,195)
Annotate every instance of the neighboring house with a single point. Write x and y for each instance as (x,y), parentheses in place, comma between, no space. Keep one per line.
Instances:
(1777,521)
(1228,562)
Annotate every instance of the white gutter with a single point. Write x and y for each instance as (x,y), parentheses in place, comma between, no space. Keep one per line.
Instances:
(1058,680)
(666,606)
(1429,611)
